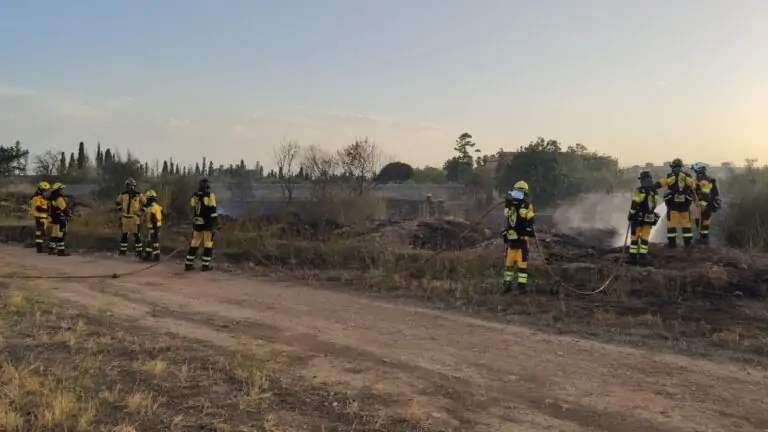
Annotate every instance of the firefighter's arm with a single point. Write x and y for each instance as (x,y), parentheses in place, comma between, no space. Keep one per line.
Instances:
(527,212)
(142,200)
(664,182)
(214,210)
(119,202)
(705,192)
(153,217)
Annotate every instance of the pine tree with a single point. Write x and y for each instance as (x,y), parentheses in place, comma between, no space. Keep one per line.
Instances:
(242,165)
(210,168)
(164,170)
(202,170)
(146,168)
(183,171)
(72,163)
(197,169)
(82,158)
(109,158)
(99,156)
(177,171)
(63,164)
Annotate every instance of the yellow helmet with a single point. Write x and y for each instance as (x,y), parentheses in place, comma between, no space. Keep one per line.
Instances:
(521,185)
(57,186)
(43,185)
(150,194)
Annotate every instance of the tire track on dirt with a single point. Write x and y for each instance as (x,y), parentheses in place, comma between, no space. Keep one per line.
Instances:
(473,374)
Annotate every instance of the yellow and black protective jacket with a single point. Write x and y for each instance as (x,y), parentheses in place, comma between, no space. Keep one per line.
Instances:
(707,192)
(154,215)
(520,218)
(58,208)
(38,206)
(642,210)
(680,189)
(130,203)
(205,215)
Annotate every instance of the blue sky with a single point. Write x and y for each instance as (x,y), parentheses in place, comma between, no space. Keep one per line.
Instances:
(642,80)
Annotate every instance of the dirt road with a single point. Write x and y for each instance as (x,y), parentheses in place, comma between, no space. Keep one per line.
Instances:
(468,374)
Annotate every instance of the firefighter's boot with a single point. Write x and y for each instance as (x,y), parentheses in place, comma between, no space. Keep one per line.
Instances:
(671,242)
(506,287)
(632,258)
(522,287)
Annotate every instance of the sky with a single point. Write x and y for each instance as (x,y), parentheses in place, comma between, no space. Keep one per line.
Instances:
(642,80)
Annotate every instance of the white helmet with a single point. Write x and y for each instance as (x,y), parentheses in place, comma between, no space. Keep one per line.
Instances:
(699,166)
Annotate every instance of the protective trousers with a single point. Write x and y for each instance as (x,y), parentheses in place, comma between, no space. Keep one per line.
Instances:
(640,235)
(41,224)
(130,225)
(677,217)
(516,258)
(152,248)
(206,237)
(701,221)
(58,233)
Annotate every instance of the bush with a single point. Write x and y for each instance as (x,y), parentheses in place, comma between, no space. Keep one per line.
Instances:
(743,222)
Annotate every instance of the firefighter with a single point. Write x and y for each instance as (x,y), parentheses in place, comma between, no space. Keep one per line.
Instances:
(38,208)
(205,221)
(154,218)
(709,201)
(519,215)
(642,217)
(129,203)
(59,213)
(678,198)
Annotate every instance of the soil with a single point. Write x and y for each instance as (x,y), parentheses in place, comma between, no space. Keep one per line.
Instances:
(466,374)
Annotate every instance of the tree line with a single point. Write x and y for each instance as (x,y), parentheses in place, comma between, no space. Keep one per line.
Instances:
(554,171)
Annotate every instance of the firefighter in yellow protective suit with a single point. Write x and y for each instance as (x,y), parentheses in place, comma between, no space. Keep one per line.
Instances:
(642,217)
(59,212)
(678,198)
(205,221)
(519,214)
(709,201)
(129,203)
(153,213)
(38,208)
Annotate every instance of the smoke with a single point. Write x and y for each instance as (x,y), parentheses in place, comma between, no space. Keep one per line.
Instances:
(602,215)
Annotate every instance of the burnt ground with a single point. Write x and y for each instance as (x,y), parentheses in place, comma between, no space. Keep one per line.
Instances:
(417,369)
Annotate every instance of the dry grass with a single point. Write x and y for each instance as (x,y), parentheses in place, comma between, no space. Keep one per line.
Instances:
(63,370)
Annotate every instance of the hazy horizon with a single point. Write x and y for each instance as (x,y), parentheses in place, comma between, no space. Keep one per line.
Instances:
(644,81)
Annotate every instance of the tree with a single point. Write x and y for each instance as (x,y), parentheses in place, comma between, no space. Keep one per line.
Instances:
(429,174)
(210,168)
(62,164)
(285,158)
(395,172)
(202,167)
(555,175)
(360,162)
(13,160)
(72,163)
(46,164)
(465,147)
(197,168)
(320,167)
(164,170)
(108,158)
(99,156)
(82,157)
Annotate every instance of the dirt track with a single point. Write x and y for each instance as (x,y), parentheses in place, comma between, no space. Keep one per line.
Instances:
(470,374)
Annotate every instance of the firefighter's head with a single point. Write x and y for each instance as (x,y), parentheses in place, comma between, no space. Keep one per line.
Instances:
(521,186)
(151,196)
(646,179)
(699,168)
(204,185)
(42,187)
(57,188)
(676,165)
(130,185)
